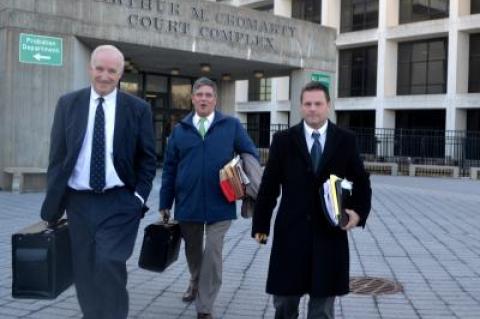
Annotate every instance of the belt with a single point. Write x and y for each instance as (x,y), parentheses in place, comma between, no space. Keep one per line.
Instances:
(91,191)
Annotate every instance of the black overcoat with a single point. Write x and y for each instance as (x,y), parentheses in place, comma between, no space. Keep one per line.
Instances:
(308,254)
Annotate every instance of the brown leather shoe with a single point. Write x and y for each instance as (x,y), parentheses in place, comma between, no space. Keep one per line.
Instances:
(190,294)
(201,315)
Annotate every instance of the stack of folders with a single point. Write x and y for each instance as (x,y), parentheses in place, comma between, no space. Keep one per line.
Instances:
(233,180)
(334,196)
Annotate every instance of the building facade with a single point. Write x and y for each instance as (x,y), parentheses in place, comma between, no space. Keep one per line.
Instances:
(403,73)
(407,80)
(45,48)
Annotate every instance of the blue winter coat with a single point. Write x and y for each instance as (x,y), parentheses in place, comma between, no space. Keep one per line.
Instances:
(192,164)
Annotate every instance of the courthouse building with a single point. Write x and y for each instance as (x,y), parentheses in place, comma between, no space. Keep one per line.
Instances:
(391,65)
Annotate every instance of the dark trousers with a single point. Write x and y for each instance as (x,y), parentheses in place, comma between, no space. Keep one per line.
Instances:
(286,307)
(103,228)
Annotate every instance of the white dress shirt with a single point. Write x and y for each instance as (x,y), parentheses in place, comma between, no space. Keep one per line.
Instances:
(308,135)
(80,178)
(207,123)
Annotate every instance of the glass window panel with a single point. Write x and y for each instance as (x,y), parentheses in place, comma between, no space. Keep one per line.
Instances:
(131,83)
(437,50)
(419,73)
(404,53)
(436,72)
(435,89)
(181,93)
(420,10)
(358,71)
(403,75)
(157,84)
(358,15)
(419,52)
(418,89)
(474,64)
(475,6)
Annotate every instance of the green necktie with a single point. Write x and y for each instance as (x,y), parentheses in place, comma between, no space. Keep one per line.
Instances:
(201,126)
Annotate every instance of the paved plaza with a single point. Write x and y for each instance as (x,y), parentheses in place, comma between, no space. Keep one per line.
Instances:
(422,232)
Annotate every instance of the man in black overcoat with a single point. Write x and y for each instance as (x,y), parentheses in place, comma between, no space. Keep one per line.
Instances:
(309,255)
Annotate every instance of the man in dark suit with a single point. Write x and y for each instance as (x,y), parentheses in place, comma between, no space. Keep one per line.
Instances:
(309,256)
(101,167)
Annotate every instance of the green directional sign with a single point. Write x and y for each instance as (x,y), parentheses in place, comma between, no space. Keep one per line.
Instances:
(322,78)
(39,49)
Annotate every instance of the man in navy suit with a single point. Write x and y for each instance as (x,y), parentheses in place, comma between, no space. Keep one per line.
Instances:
(101,167)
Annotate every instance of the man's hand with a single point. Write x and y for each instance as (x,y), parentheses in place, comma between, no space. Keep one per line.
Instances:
(165,215)
(261,238)
(353,219)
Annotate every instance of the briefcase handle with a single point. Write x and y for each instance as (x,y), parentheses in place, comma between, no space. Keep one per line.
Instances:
(56,224)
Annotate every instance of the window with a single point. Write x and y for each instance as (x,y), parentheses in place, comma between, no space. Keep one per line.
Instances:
(259,89)
(421,10)
(258,127)
(475,6)
(358,72)
(308,10)
(474,64)
(422,67)
(359,15)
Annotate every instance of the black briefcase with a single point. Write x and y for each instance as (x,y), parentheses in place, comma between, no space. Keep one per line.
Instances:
(161,245)
(41,261)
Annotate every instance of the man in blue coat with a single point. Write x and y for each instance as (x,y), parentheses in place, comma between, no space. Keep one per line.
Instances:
(198,147)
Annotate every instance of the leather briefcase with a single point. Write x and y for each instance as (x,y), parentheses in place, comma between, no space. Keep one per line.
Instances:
(160,247)
(41,261)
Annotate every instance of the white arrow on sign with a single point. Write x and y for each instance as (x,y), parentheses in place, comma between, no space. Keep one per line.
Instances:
(40,57)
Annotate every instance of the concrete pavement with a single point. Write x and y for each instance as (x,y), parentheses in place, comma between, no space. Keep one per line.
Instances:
(422,232)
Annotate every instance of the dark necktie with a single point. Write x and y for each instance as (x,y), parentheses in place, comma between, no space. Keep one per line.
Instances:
(316,151)
(97,161)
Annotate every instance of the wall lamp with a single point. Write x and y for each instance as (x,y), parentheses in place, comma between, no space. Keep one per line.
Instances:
(258,74)
(226,77)
(205,67)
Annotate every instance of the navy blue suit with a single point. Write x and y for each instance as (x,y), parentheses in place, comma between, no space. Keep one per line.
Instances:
(103,226)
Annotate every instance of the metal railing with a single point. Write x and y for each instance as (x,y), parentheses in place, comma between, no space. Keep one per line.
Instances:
(405,147)
(420,147)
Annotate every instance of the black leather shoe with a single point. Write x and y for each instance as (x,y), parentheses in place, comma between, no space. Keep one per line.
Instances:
(201,315)
(190,295)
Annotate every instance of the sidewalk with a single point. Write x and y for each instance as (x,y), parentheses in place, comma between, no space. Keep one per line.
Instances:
(422,232)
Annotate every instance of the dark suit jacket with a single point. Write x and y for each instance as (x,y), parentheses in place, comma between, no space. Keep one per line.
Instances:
(133,146)
(308,254)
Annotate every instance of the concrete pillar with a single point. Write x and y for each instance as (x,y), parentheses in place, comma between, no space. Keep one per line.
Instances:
(282,8)
(384,119)
(389,13)
(226,97)
(331,14)
(241,91)
(81,56)
(3,112)
(461,6)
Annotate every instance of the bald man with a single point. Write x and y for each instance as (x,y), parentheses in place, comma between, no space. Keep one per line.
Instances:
(101,166)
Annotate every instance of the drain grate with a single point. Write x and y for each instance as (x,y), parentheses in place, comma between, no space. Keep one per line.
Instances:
(374,286)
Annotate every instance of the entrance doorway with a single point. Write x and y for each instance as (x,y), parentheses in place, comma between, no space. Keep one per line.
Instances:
(169,98)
